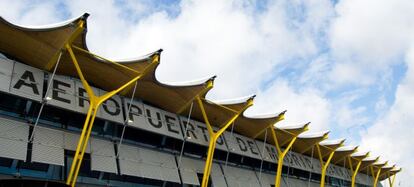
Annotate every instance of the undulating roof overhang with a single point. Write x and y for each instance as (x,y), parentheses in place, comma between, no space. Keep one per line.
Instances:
(326,147)
(355,158)
(284,134)
(254,126)
(307,141)
(374,167)
(342,153)
(366,163)
(329,146)
(386,170)
(389,173)
(40,47)
(218,114)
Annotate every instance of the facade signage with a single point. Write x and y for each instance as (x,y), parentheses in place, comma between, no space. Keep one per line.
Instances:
(152,119)
(27,81)
(68,93)
(197,132)
(269,153)
(62,93)
(242,145)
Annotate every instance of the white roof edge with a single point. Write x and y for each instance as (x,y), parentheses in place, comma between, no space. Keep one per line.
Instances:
(391,163)
(142,57)
(313,134)
(389,166)
(331,142)
(234,100)
(48,26)
(380,162)
(347,148)
(360,153)
(189,83)
(370,158)
(289,127)
(263,116)
(396,168)
(126,60)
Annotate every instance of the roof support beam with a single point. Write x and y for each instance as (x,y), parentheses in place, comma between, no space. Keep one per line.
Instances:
(391,181)
(368,165)
(95,102)
(355,172)
(280,118)
(214,136)
(325,136)
(282,154)
(209,85)
(391,175)
(344,158)
(325,164)
(375,175)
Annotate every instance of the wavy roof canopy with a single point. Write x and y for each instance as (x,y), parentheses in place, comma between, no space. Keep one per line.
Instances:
(366,162)
(284,134)
(386,170)
(218,115)
(342,153)
(355,158)
(375,166)
(326,147)
(306,141)
(389,173)
(40,47)
(253,127)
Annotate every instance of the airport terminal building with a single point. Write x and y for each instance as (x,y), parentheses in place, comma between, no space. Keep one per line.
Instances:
(72,117)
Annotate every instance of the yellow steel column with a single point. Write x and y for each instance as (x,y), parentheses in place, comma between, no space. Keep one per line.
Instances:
(354,172)
(375,175)
(95,102)
(389,179)
(391,182)
(89,115)
(325,164)
(213,138)
(281,156)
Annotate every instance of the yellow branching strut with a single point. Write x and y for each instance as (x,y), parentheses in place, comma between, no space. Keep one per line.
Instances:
(356,170)
(325,164)
(377,174)
(95,102)
(214,137)
(281,154)
(391,181)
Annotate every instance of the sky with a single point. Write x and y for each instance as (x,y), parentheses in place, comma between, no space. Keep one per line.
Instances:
(344,65)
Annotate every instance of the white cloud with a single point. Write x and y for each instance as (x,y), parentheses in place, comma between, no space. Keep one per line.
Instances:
(225,38)
(208,38)
(304,105)
(391,137)
(244,47)
(34,14)
(367,36)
